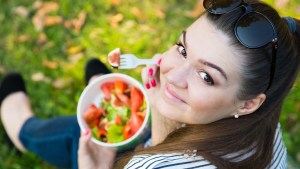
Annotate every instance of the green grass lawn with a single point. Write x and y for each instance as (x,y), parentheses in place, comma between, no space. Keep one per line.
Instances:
(49,43)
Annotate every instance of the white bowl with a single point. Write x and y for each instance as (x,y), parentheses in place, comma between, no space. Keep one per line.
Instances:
(92,94)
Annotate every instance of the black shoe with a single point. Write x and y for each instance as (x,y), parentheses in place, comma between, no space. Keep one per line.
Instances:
(11,83)
(93,67)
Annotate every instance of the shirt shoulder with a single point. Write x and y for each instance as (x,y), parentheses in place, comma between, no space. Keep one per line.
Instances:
(168,161)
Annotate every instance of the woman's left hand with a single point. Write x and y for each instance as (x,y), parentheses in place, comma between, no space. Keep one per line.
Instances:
(92,156)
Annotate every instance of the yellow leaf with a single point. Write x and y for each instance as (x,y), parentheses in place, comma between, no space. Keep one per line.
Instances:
(72,50)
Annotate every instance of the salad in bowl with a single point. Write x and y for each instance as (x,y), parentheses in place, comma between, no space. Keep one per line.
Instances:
(115,108)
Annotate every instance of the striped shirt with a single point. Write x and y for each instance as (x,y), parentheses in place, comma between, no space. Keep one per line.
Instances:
(184,161)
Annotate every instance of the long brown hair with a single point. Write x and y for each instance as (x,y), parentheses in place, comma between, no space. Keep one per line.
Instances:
(251,134)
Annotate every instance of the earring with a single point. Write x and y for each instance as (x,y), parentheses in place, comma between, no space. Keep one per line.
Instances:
(236,116)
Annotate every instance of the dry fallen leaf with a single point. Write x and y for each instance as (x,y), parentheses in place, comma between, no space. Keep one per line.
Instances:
(281,3)
(116,19)
(38,22)
(60,83)
(40,19)
(115,2)
(75,58)
(21,11)
(72,50)
(47,7)
(37,4)
(77,23)
(137,13)
(52,20)
(23,38)
(2,70)
(40,77)
(42,38)
(160,13)
(50,64)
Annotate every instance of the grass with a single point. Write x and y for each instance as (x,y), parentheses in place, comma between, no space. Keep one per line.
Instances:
(52,59)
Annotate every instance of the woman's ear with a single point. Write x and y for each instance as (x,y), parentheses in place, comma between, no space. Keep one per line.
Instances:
(250,106)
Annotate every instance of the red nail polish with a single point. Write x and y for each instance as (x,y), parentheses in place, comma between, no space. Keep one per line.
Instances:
(158,63)
(87,132)
(147,85)
(150,72)
(153,82)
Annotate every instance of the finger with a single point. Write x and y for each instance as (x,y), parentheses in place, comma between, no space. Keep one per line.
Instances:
(83,141)
(145,78)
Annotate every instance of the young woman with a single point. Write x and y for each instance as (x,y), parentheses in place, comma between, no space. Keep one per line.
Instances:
(215,96)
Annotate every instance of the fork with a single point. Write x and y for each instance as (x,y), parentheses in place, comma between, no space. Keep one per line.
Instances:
(130,61)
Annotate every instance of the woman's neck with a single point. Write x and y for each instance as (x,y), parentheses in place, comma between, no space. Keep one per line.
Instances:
(162,127)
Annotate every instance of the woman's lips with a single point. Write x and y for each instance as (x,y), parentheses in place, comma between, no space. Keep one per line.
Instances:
(172,95)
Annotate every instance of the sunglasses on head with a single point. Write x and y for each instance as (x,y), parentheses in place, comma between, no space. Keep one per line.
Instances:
(252,29)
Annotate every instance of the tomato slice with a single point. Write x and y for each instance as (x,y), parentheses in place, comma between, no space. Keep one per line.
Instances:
(91,114)
(124,99)
(107,88)
(127,132)
(136,99)
(101,132)
(118,119)
(120,87)
(135,122)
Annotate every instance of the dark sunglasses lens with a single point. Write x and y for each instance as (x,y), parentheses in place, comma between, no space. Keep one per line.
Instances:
(220,6)
(254,30)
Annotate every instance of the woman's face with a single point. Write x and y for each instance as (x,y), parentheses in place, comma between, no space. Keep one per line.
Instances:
(199,76)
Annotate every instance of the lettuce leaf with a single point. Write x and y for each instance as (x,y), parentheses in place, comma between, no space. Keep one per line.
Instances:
(115,134)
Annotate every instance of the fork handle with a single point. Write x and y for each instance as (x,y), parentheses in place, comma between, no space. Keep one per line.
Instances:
(147,61)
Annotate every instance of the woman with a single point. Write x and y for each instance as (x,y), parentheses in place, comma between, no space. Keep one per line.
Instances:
(226,79)
(216,95)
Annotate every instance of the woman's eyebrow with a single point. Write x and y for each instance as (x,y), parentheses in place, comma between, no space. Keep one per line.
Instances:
(214,67)
(184,38)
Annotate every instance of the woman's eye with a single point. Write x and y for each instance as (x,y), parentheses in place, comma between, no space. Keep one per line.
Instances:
(181,49)
(206,78)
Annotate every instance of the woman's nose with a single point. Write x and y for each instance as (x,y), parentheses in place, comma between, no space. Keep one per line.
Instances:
(178,76)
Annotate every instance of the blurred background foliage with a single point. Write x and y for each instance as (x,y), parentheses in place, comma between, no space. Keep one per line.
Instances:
(50,41)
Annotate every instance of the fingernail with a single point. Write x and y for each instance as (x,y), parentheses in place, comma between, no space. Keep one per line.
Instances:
(147,85)
(153,82)
(150,72)
(158,62)
(87,132)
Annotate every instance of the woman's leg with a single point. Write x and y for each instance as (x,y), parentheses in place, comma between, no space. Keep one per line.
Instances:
(54,140)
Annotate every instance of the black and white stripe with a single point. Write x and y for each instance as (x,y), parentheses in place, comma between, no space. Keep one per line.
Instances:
(182,161)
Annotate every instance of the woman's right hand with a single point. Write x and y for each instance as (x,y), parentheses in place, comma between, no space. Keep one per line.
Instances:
(92,156)
(151,80)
